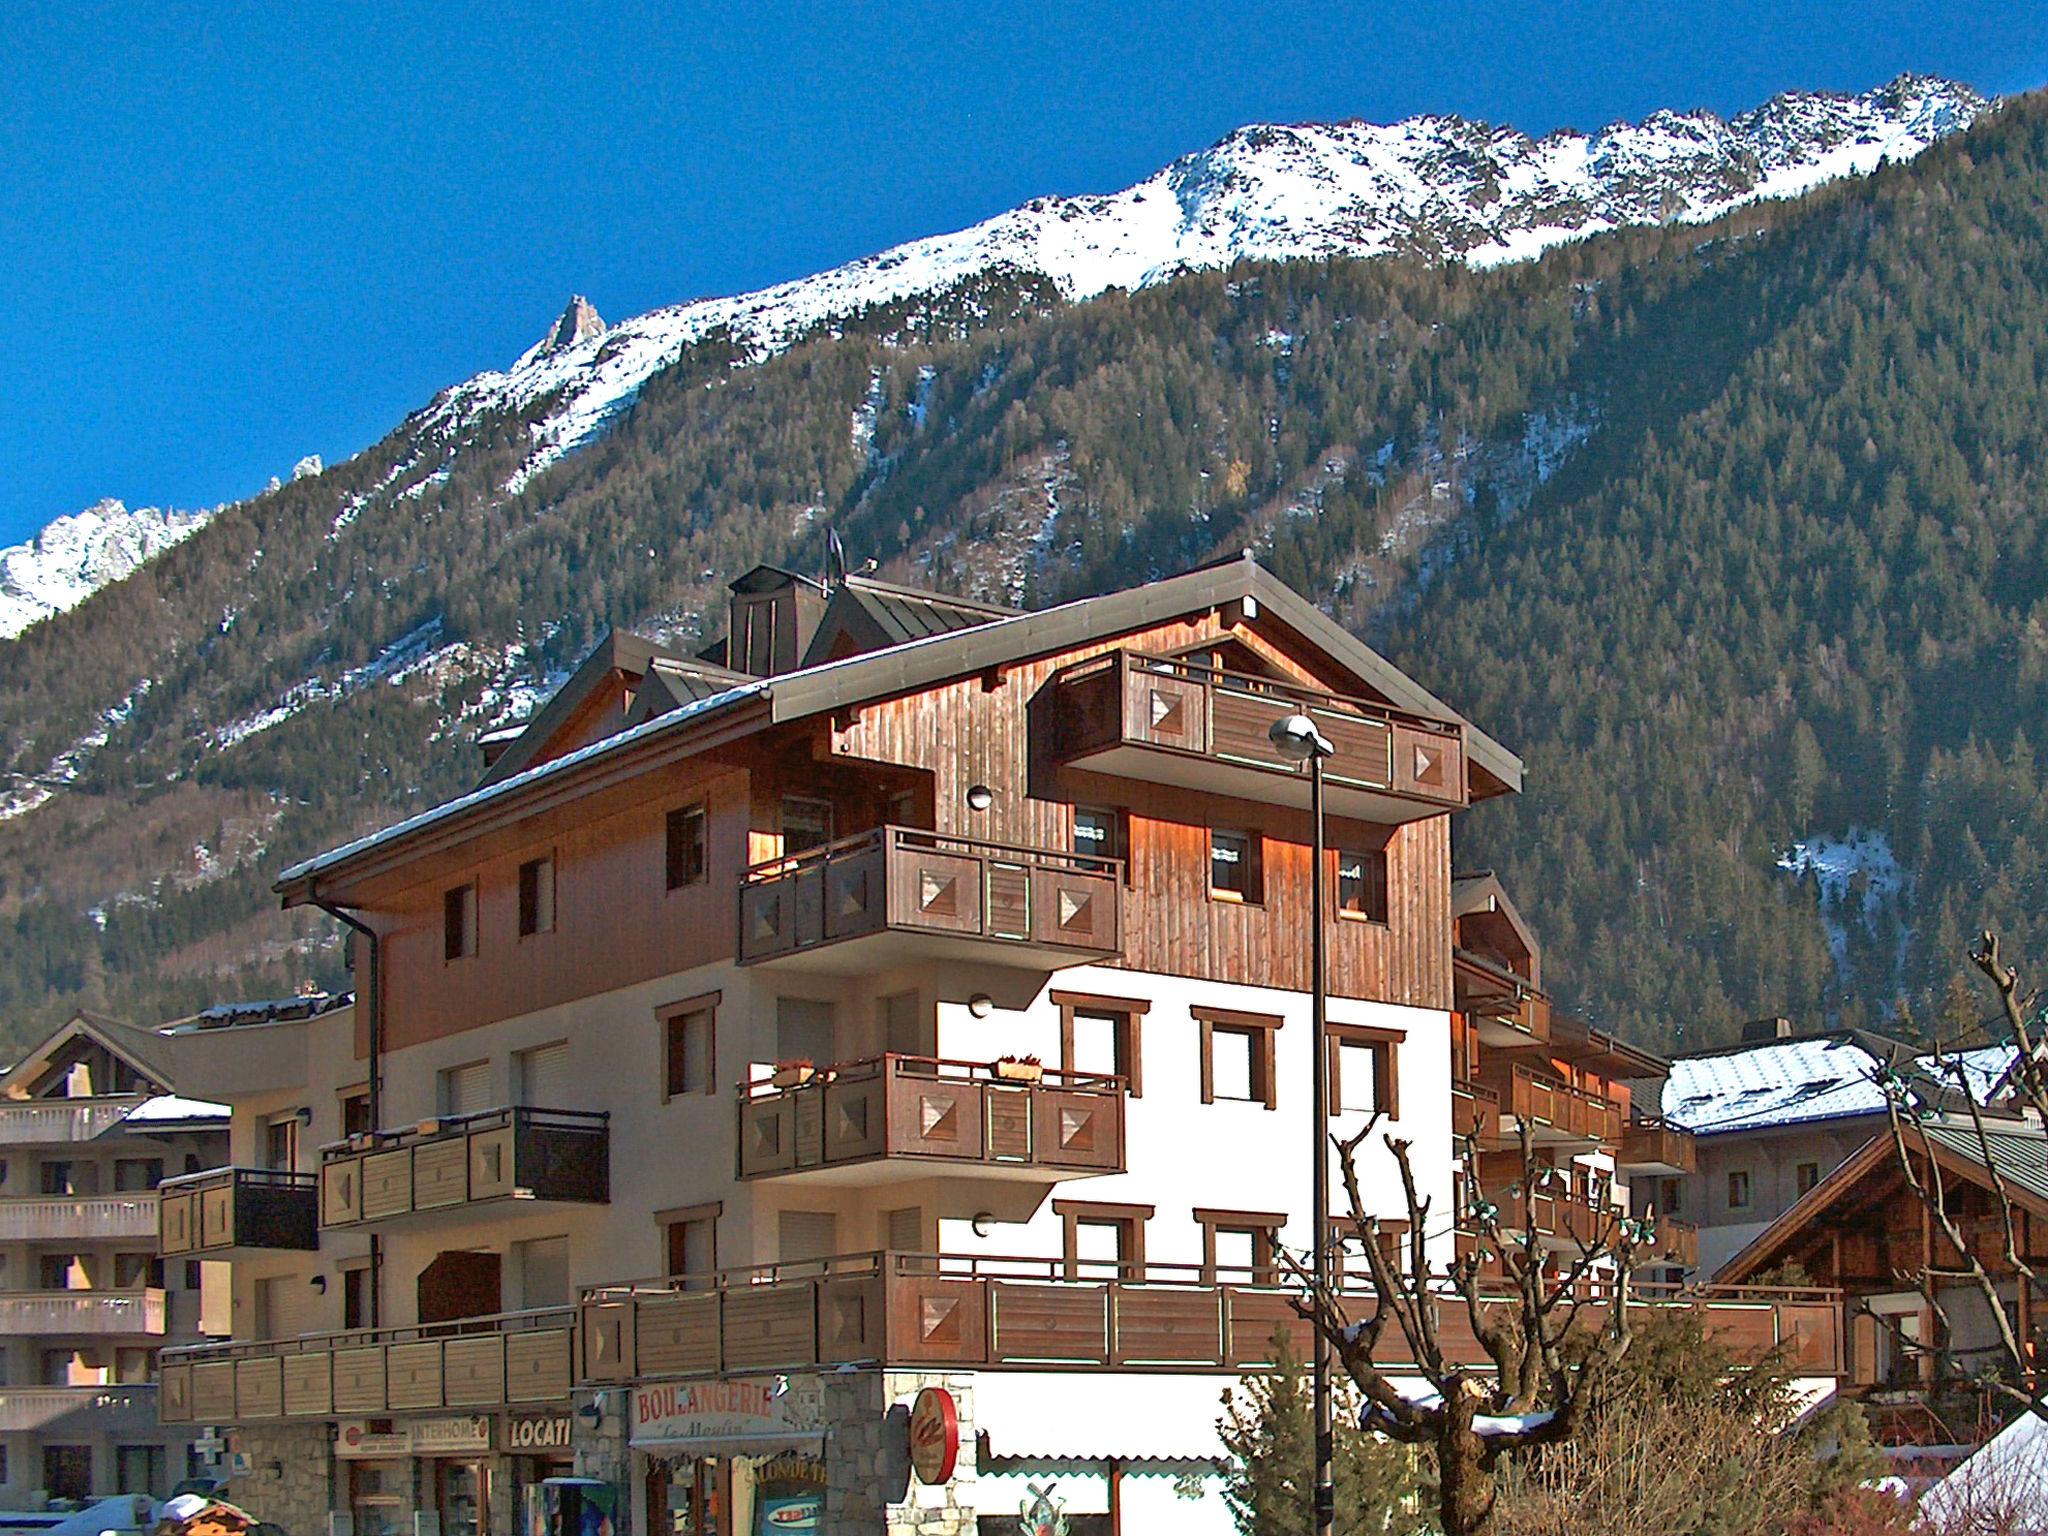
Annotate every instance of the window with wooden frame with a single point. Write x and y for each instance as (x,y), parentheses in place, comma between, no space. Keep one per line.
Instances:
(1237,1056)
(1103,1242)
(1240,1247)
(1102,1035)
(1362,884)
(1738,1189)
(1805,1176)
(536,897)
(1365,1064)
(690,1237)
(687,847)
(1100,833)
(1347,1247)
(1236,870)
(806,824)
(355,1111)
(458,922)
(690,1046)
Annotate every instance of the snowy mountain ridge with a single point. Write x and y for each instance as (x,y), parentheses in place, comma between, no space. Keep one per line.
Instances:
(1436,187)
(74,556)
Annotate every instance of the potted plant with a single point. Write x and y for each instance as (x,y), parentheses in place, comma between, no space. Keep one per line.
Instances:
(1019,1069)
(794,1074)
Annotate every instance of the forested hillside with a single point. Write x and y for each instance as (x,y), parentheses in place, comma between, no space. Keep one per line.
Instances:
(1736,532)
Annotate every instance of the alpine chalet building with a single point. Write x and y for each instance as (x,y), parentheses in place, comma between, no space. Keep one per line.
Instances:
(857,1078)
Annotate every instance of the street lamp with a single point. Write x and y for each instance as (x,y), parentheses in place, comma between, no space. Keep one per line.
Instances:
(1296,739)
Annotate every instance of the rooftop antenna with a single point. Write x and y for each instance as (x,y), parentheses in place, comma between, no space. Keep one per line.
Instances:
(835,559)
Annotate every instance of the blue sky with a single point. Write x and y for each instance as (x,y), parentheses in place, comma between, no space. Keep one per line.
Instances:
(233,235)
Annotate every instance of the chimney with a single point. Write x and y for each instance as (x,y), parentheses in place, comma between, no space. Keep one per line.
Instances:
(1758,1031)
(774,614)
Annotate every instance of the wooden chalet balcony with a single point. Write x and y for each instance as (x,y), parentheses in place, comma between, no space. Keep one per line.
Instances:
(138,1312)
(1557,1112)
(475,1363)
(1652,1144)
(936,1311)
(1475,1116)
(1678,1242)
(898,894)
(64,1218)
(911,1117)
(126,1409)
(225,1210)
(52,1122)
(456,1162)
(1172,721)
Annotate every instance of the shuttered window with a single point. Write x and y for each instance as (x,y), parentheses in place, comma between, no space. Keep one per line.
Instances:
(905,1229)
(543,1076)
(808,1235)
(466,1090)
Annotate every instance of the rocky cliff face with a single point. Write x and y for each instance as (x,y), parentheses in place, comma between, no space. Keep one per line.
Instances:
(75,556)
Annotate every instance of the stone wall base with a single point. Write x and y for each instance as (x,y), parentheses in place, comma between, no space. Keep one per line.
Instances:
(290,1480)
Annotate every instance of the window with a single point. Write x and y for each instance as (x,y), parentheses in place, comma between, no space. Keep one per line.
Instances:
(1098,834)
(903,1229)
(1237,1056)
(1238,1247)
(133,1271)
(65,1368)
(1362,885)
(688,834)
(355,1112)
(689,1046)
(138,1173)
(67,1471)
(806,1235)
(540,1075)
(803,1030)
(903,1025)
(458,922)
(1234,873)
(281,1143)
(1738,1189)
(540,1268)
(134,1366)
(1101,1034)
(1805,1176)
(536,897)
(806,824)
(1103,1242)
(1365,1070)
(464,1090)
(61,1272)
(62,1178)
(692,1236)
(355,1295)
(1668,1196)
(194,1276)
(140,1469)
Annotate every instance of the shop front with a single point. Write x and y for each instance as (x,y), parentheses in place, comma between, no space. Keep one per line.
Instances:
(744,1456)
(468,1475)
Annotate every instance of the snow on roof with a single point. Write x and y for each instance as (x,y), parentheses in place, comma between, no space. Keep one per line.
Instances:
(171,1106)
(2006,1476)
(1792,1082)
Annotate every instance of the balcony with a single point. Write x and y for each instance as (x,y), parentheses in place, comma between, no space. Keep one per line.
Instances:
(138,1312)
(107,1410)
(896,894)
(910,1117)
(1654,1145)
(1557,1113)
(1678,1243)
(1475,1116)
(459,1162)
(54,1122)
(226,1211)
(1169,721)
(937,1312)
(477,1363)
(68,1218)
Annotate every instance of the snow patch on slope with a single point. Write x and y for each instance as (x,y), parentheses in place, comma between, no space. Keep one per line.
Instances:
(73,557)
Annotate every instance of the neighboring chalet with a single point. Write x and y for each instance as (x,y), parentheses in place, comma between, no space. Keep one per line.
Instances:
(90,1122)
(914,995)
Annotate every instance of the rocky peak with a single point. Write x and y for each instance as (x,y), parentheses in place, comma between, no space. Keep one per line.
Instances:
(579,322)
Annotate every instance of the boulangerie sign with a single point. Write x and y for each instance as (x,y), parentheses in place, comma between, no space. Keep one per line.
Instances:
(743,1411)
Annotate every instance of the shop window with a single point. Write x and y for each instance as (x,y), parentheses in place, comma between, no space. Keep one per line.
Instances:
(1235,872)
(1103,1242)
(687,858)
(536,897)
(1362,884)
(1102,1035)
(690,1046)
(458,922)
(1364,1070)
(1239,1247)
(1237,1056)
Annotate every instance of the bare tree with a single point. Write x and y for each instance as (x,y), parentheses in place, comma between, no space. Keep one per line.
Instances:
(1549,1332)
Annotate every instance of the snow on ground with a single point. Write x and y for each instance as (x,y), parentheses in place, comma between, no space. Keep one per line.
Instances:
(25,794)
(73,557)
(1859,877)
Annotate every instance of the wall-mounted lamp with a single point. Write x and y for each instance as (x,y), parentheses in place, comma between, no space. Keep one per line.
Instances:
(319,1283)
(274,1468)
(980,797)
(304,1113)
(981,1005)
(984,1223)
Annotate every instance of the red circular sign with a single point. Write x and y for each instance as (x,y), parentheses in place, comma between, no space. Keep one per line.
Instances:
(934,1435)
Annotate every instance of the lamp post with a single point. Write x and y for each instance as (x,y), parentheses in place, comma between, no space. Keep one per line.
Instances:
(1297,740)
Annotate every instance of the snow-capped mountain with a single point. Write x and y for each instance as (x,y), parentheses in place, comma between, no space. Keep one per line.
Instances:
(75,556)
(1437,187)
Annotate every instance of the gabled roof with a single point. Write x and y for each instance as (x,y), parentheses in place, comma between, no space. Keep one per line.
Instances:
(670,684)
(2021,1157)
(866,614)
(618,651)
(938,658)
(142,1049)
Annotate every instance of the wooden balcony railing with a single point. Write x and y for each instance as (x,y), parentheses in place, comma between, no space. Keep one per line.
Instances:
(138,1311)
(474,1363)
(1169,720)
(1678,1242)
(458,1161)
(898,893)
(925,1116)
(1475,1116)
(49,1122)
(120,1410)
(1652,1144)
(224,1209)
(938,1311)
(1557,1111)
(66,1218)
